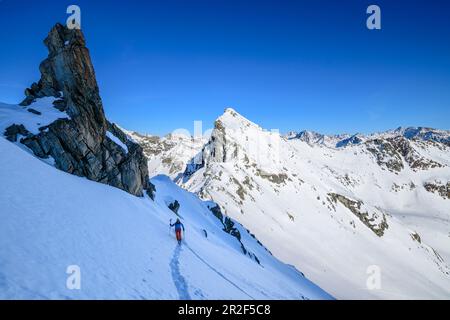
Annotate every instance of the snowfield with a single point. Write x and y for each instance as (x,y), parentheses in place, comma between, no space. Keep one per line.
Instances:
(51,220)
(168,155)
(337,213)
(117,141)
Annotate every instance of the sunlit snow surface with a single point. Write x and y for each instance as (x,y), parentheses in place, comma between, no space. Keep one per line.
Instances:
(14,114)
(298,222)
(51,220)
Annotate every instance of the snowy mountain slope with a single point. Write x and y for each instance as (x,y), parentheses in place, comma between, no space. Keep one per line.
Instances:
(52,220)
(170,154)
(335,212)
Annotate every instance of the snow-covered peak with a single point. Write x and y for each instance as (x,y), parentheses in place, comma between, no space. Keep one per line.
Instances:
(353,140)
(422,133)
(170,154)
(230,110)
(310,137)
(233,120)
(179,136)
(314,138)
(357,194)
(237,139)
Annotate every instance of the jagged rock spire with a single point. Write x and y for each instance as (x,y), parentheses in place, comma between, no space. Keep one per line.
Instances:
(80,145)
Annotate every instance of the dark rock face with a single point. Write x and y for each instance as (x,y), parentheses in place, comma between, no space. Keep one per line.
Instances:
(13,131)
(349,141)
(386,155)
(229,227)
(80,145)
(367,218)
(174,206)
(416,237)
(412,157)
(31,110)
(217,212)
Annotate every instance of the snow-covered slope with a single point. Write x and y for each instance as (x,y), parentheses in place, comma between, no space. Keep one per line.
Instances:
(34,117)
(333,212)
(51,220)
(170,154)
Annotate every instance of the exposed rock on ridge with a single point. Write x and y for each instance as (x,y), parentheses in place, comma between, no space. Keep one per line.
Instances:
(80,145)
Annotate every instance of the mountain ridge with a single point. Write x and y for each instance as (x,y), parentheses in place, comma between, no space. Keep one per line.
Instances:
(384,189)
(342,140)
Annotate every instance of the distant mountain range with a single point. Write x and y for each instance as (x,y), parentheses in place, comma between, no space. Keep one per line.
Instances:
(343,140)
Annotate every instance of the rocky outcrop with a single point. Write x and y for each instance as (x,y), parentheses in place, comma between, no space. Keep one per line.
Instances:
(353,140)
(425,134)
(229,227)
(217,212)
(274,178)
(412,157)
(391,153)
(174,206)
(81,145)
(228,224)
(14,131)
(439,188)
(373,220)
(385,154)
(416,237)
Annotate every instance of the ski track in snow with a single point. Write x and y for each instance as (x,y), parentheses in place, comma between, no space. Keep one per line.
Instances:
(90,233)
(181,283)
(219,274)
(178,279)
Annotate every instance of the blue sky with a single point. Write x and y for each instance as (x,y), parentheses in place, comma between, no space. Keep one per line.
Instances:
(289,65)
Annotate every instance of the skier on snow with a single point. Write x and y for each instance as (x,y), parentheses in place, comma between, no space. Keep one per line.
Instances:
(178,225)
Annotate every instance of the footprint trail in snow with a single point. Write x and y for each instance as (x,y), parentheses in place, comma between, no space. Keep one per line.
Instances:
(178,279)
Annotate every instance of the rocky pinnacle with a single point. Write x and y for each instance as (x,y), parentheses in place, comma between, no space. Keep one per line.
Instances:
(80,145)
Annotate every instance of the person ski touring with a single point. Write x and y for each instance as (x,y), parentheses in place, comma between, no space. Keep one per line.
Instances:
(178,226)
